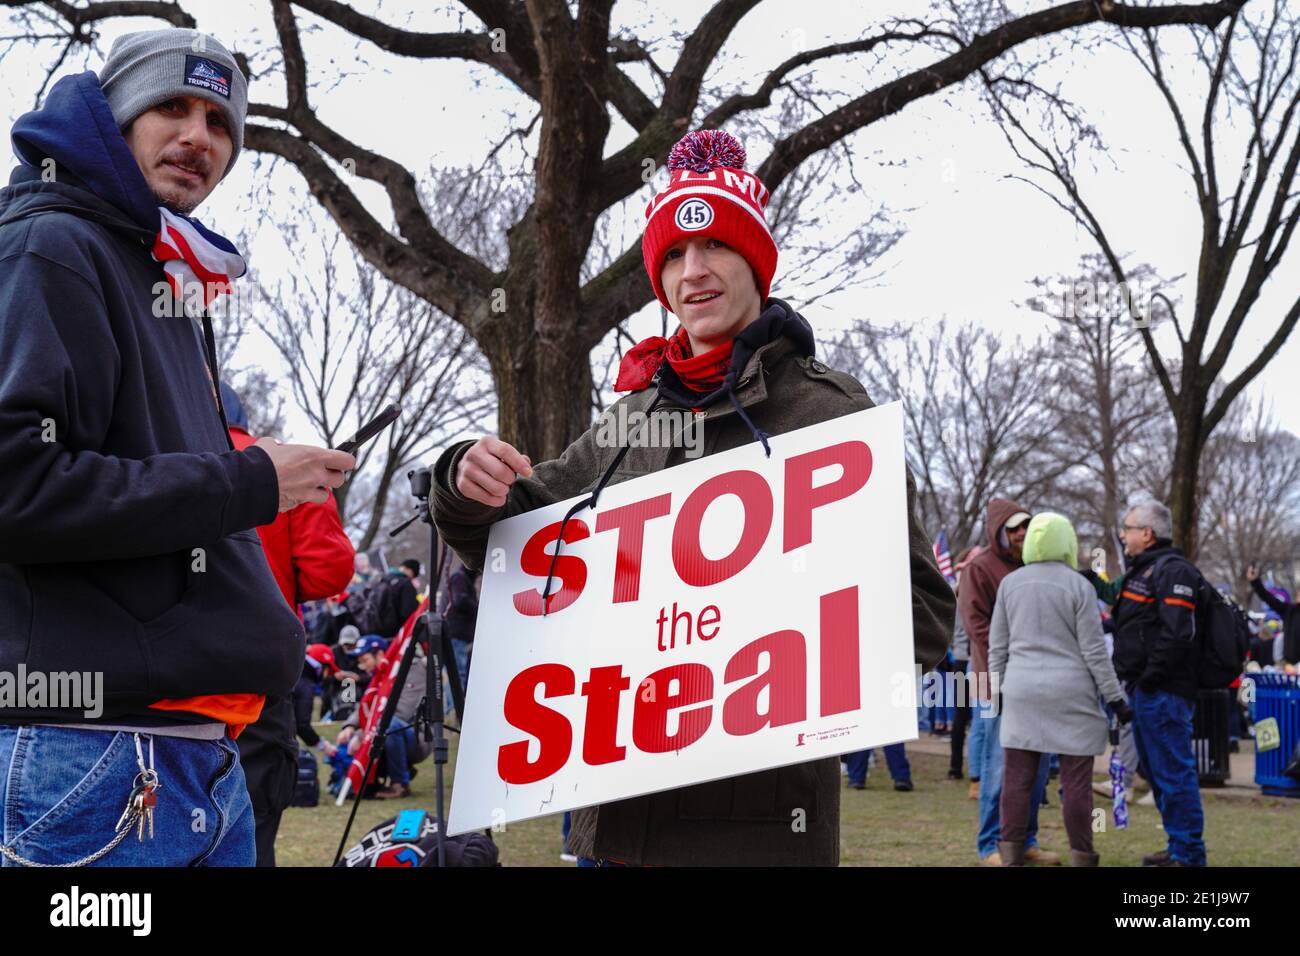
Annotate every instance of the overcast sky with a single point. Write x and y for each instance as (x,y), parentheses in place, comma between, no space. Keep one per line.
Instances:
(973,238)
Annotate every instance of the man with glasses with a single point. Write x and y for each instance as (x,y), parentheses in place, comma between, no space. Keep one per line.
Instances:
(1155,657)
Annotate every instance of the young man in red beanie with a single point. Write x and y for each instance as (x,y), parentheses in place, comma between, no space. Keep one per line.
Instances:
(743,362)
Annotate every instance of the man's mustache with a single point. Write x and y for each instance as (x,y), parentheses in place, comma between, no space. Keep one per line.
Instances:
(190,160)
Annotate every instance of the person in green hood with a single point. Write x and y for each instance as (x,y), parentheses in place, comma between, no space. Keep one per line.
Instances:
(1047,650)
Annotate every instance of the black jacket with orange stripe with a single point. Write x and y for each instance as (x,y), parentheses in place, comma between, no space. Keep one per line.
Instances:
(1155,622)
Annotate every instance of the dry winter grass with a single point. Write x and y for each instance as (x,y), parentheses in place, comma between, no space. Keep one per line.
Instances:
(934,825)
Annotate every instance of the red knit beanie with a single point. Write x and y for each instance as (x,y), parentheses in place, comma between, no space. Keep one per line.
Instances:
(710,194)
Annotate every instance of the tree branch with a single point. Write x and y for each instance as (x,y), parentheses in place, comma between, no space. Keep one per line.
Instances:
(458,292)
(1247,375)
(398,182)
(620,175)
(892,97)
(78,17)
(762,97)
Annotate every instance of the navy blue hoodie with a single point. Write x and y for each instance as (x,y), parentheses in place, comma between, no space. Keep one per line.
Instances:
(126,541)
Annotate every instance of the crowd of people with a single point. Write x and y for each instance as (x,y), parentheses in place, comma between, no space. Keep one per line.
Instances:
(1057,660)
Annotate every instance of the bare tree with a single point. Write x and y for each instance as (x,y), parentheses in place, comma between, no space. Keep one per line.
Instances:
(1245,197)
(535,318)
(1252,498)
(1101,396)
(351,342)
(978,423)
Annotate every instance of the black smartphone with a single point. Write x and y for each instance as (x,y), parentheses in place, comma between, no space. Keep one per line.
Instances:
(371,428)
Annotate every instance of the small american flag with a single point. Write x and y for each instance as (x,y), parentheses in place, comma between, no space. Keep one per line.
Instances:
(942,555)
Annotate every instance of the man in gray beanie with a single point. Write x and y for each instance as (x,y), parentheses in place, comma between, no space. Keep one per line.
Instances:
(180,99)
(128,555)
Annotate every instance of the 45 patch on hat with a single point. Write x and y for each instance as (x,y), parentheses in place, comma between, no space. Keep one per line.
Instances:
(709,194)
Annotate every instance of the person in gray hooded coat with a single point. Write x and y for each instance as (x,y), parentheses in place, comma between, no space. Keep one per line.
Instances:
(1046,647)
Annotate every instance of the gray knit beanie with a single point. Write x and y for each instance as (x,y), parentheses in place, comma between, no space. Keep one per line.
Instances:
(147,68)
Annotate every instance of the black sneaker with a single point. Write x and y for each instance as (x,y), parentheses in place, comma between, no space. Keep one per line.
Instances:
(857,786)
(903,786)
(1157,859)
(955,775)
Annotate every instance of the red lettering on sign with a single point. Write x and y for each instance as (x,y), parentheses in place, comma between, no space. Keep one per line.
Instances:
(522,709)
(707,620)
(650,715)
(840,669)
(602,691)
(569,569)
(800,495)
(756,498)
(784,679)
(630,521)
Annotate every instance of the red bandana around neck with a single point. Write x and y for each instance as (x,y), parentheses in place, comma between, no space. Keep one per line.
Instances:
(700,373)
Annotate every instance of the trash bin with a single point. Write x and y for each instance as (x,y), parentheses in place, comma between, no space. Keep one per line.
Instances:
(1210,736)
(1277,698)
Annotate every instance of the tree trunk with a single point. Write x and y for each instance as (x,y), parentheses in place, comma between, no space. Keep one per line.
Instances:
(543,392)
(1185,478)
(1110,508)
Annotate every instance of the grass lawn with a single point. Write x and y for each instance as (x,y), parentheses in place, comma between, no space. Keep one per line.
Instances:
(934,825)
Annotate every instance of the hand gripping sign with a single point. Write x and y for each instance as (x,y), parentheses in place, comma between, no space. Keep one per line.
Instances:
(730,614)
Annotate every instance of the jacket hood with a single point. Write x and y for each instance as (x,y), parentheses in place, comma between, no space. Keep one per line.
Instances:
(75,128)
(236,417)
(1051,537)
(999,510)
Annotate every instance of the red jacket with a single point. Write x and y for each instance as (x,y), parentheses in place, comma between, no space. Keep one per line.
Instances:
(309,553)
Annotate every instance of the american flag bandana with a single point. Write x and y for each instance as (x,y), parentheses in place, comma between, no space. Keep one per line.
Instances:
(194,256)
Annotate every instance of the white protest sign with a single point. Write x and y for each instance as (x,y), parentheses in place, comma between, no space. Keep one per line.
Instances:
(730,614)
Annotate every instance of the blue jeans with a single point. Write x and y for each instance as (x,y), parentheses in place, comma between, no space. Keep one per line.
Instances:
(992,764)
(975,738)
(941,691)
(895,757)
(1162,730)
(460,650)
(63,790)
(397,748)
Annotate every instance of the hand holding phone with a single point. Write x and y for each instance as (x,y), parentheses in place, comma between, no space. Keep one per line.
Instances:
(305,473)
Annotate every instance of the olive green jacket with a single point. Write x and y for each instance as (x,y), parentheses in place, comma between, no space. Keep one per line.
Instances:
(743,820)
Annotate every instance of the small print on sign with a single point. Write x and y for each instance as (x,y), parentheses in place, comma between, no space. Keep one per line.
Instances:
(676,647)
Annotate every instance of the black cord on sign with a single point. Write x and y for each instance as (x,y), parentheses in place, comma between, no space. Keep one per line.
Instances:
(588,503)
(758,432)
